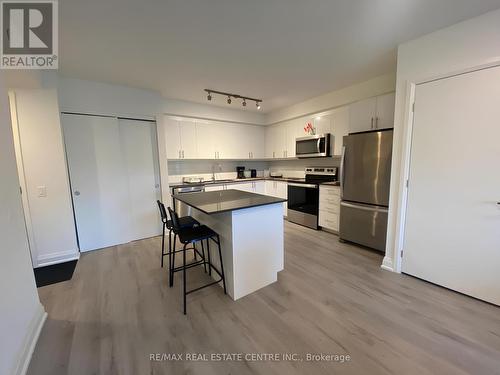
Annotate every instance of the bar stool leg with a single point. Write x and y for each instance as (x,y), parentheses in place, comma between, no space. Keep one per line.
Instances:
(221,265)
(184,275)
(204,259)
(209,258)
(194,251)
(173,261)
(169,254)
(162,244)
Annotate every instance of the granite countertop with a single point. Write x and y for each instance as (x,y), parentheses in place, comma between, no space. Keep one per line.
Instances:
(215,202)
(237,180)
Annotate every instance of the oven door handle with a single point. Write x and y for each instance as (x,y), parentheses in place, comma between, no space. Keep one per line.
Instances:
(310,186)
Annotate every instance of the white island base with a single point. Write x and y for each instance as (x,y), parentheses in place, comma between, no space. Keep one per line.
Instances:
(252,241)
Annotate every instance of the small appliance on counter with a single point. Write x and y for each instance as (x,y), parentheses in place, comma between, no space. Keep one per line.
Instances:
(303,197)
(253,173)
(240,172)
(275,175)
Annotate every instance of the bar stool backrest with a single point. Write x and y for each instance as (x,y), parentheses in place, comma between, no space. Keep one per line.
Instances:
(175,219)
(163,213)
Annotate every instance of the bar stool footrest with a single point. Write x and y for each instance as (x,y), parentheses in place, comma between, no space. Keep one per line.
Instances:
(203,286)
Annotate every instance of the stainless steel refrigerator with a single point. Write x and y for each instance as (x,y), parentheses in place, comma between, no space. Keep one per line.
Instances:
(365,174)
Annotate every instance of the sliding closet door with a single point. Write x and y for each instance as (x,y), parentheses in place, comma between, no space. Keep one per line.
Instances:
(98,180)
(138,139)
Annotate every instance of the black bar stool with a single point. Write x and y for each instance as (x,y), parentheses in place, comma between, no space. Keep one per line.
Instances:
(191,236)
(184,222)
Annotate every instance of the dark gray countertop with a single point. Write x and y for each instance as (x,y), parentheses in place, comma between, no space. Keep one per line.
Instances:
(214,202)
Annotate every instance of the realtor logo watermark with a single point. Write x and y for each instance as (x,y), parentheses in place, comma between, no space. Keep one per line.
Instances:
(29,37)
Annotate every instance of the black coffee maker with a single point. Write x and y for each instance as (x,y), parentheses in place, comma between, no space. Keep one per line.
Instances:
(240,172)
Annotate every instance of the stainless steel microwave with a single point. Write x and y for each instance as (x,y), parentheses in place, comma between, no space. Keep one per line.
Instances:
(313,146)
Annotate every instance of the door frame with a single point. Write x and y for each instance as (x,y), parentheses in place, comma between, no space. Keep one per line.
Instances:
(394,263)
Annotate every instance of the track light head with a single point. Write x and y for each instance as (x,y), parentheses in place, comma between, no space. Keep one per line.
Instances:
(257,104)
(244,104)
(228,100)
(209,97)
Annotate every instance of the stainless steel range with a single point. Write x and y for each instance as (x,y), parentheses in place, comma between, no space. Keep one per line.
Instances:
(303,196)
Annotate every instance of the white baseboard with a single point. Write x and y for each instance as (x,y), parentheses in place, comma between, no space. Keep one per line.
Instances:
(30,340)
(387,264)
(60,257)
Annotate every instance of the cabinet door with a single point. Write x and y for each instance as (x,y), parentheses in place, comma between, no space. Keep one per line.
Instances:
(340,128)
(205,140)
(260,187)
(282,192)
(362,115)
(214,188)
(187,130)
(294,130)
(270,188)
(323,124)
(255,136)
(231,141)
(275,141)
(245,186)
(385,111)
(172,138)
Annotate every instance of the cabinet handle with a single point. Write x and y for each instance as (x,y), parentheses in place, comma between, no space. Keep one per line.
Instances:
(179,154)
(376,122)
(371,126)
(273,154)
(183,154)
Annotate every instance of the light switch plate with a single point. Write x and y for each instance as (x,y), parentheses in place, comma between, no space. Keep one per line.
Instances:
(42,191)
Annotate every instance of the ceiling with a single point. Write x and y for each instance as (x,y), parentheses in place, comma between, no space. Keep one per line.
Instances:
(283,51)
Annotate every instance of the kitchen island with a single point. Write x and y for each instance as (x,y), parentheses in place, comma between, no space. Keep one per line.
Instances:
(250,227)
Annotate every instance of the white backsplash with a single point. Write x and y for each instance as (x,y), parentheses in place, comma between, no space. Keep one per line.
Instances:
(223,169)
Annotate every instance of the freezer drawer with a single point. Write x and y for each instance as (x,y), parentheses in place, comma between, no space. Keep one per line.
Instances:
(363,224)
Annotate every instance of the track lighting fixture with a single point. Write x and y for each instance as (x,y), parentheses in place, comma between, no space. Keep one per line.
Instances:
(234,96)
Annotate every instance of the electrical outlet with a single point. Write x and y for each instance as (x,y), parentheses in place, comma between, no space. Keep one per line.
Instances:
(42,191)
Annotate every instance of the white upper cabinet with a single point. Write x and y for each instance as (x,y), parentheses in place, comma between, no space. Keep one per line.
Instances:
(372,114)
(339,128)
(276,141)
(294,130)
(385,111)
(188,139)
(180,139)
(206,139)
(362,115)
(255,139)
(323,124)
(172,138)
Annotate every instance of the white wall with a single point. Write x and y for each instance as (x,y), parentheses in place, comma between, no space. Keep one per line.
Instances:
(454,49)
(21,314)
(373,87)
(49,219)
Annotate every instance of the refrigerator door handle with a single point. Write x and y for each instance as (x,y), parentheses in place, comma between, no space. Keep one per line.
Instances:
(342,168)
(365,208)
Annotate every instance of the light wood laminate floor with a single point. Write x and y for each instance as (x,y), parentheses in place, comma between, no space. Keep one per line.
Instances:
(331,298)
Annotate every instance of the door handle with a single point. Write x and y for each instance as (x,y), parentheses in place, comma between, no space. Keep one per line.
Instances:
(77,193)
(342,165)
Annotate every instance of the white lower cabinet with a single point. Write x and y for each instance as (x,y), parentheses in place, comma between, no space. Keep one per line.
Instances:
(329,207)
(278,189)
(215,187)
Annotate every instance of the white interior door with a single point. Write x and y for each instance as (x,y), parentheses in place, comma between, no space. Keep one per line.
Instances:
(139,149)
(98,180)
(452,234)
